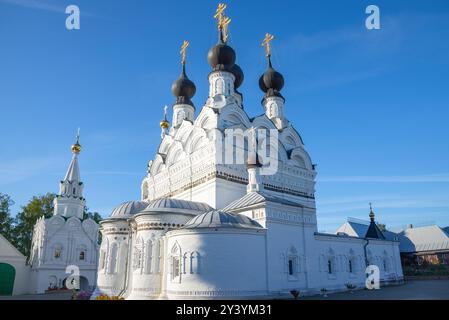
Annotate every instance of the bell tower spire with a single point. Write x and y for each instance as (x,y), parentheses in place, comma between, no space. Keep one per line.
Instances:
(70,202)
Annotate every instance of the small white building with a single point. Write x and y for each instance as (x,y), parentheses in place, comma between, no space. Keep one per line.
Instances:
(206,228)
(14,273)
(66,243)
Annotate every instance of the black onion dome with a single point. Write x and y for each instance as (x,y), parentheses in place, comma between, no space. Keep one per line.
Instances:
(238,74)
(271,82)
(183,89)
(221,57)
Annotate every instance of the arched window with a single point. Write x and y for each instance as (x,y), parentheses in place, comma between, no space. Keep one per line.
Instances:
(137,256)
(113,259)
(149,257)
(352,262)
(104,248)
(331,263)
(81,250)
(385,262)
(57,252)
(292,262)
(102,259)
(219,86)
(195,262)
(175,263)
(157,256)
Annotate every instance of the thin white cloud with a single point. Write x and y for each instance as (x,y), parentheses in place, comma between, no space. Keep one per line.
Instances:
(34,4)
(113,173)
(438,177)
(41,5)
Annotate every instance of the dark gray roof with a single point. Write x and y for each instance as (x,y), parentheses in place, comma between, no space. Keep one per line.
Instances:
(446,230)
(360,229)
(253,198)
(174,205)
(128,209)
(374,232)
(220,219)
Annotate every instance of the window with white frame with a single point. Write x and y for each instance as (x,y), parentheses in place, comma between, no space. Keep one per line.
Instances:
(195,262)
(149,257)
(292,263)
(137,255)
(113,259)
(57,252)
(175,263)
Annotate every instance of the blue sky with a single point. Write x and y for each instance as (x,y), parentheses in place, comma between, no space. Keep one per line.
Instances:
(371,106)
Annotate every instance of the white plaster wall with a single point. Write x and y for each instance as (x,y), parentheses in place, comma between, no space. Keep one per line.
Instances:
(145,280)
(70,237)
(232,264)
(115,234)
(22,278)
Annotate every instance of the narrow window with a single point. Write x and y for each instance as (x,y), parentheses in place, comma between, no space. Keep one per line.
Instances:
(175,267)
(329,266)
(113,259)
(57,253)
(82,256)
(290,267)
(102,259)
(350,266)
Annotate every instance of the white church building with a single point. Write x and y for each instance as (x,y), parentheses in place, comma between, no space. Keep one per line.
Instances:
(65,245)
(207,228)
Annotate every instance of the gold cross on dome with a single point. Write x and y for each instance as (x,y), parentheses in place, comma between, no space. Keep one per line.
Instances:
(266,43)
(226,22)
(219,15)
(183,51)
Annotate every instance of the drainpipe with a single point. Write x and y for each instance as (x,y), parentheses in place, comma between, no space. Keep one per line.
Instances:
(127,259)
(366,256)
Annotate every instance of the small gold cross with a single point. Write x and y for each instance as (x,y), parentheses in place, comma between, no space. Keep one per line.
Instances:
(219,15)
(183,51)
(266,43)
(226,22)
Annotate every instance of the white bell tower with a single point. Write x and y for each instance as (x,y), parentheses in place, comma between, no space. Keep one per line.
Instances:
(70,202)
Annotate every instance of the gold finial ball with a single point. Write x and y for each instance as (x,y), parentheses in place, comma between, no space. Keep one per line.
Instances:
(165,124)
(76,148)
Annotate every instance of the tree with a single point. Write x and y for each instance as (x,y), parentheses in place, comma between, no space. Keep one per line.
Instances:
(25,220)
(93,215)
(6,221)
(382,227)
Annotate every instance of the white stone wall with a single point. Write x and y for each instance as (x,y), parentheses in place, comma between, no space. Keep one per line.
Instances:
(10,255)
(147,253)
(226,264)
(59,243)
(113,257)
